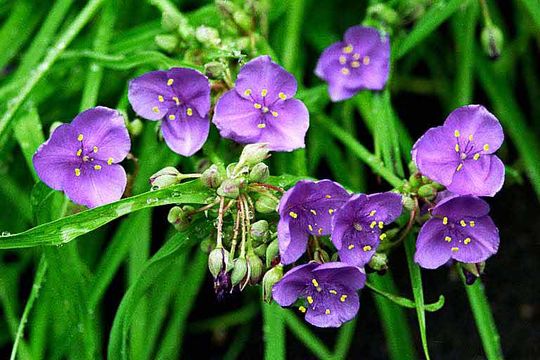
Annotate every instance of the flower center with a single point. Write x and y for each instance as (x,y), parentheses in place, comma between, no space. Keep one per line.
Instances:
(465,148)
(350,60)
(86,155)
(262,105)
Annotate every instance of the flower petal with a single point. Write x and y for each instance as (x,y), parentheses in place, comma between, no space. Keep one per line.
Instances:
(333,312)
(192,87)
(292,238)
(345,275)
(145,92)
(482,242)
(482,177)
(289,288)
(387,206)
(186,134)
(432,250)
(358,247)
(459,207)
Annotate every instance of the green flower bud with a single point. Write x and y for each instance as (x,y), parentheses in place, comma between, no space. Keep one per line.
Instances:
(321,256)
(414,181)
(207,246)
(217,261)
(212,177)
(254,154)
(412,168)
(260,250)
(239,271)
(259,173)
(135,127)
(165,177)
(256,268)
(272,251)
(335,257)
(427,192)
(229,188)
(266,204)
(492,40)
(271,277)
(207,35)
(379,262)
(259,231)
(408,203)
(215,70)
(166,42)
(178,218)
(383,13)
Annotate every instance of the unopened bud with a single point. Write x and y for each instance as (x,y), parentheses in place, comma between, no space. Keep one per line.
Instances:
(321,256)
(207,246)
(135,127)
(492,41)
(266,204)
(427,192)
(383,13)
(229,188)
(272,251)
(260,250)
(412,167)
(165,177)
(222,285)
(259,231)
(214,70)
(271,277)
(178,217)
(212,177)
(473,271)
(414,181)
(239,271)
(166,42)
(408,203)
(259,173)
(379,262)
(254,154)
(217,261)
(256,268)
(207,35)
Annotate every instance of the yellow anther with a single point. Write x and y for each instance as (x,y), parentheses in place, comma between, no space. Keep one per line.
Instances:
(172,117)
(350,247)
(274,113)
(355,64)
(293,214)
(327,311)
(110,161)
(160,98)
(95,149)
(320,231)
(445,220)
(456,133)
(257,106)
(467,240)
(447,239)
(331,211)
(486,147)
(302,309)
(343,298)
(380,224)
(457,147)
(373,224)
(80,137)
(356,56)
(366,60)
(328,196)
(189,111)
(247,92)
(476,156)
(348,49)
(472,223)
(313,212)
(85,158)
(97,167)
(265,109)
(366,248)
(79,152)
(309,299)
(170,82)
(342,60)
(264,92)
(382,236)
(460,166)
(261,126)
(310,227)
(282,96)
(462,223)
(334,292)
(372,212)
(470,137)
(315,282)
(77,172)
(455,249)
(345,71)
(176,100)
(155,109)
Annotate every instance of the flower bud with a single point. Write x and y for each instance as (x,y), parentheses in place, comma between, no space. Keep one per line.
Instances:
(229,188)
(472,271)
(412,167)
(165,177)
(217,261)
(254,154)
(239,271)
(260,250)
(212,177)
(207,35)
(379,262)
(271,277)
(207,246)
(166,42)
(256,268)
(215,70)
(178,218)
(259,173)
(135,127)
(492,40)
(259,231)
(427,192)
(222,285)
(414,181)
(321,256)
(383,13)
(266,204)
(272,252)
(408,203)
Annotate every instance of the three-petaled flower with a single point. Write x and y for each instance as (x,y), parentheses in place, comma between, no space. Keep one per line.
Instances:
(460,154)
(180,97)
(329,292)
(306,209)
(357,226)
(460,229)
(82,158)
(361,61)
(261,108)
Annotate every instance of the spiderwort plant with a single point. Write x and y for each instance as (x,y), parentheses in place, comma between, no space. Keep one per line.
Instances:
(261,108)
(82,158)
(180,98)
(329,292)
(361,61)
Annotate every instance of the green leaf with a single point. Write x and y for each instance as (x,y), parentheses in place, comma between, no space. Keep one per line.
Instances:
(273,331)
(306,336)
(404,302)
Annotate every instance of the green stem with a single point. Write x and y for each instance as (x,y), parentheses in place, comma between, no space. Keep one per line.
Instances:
(304,334)
(273,331)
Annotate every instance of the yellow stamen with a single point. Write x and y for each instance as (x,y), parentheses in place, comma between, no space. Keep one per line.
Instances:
(486,147)
(348,49)
(170,82)
(274,113)
(342,60)
(282,96)
(320,231)
(445,220)
(189,111)
(345,71)
(356,56)
(247,92)
(264,92)
(372,212)
(328,196)
(472,223)
(327,311)
(155,109)
(366,248)
(470,137)
(343,298)
(457,148)
(172,117)
(373,224)
(313,212)
(355,64)
(160,98)
(265,109)
(456,133)
(366,60)
(95,149)
(77,172)
(310,227)
(176,100)
(293,214)
(350,247)
(309,299)
(315,282)
(261,126)
(462,223)
(334,292)
(331,211)
(382,236)
(302,309)
(460,166)
(467,240)
(476,156)
(447,239)
(381,224)
(257,106)
(79,152)
(80,137)
(455,249)
(97,167)
(110,161)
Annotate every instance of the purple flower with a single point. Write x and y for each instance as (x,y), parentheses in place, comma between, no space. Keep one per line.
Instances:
(329,290)
(361,61)
(459,229)
(306,209)
(180,98)
(260,108)
(82,158)
(459,154)
(357,225)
